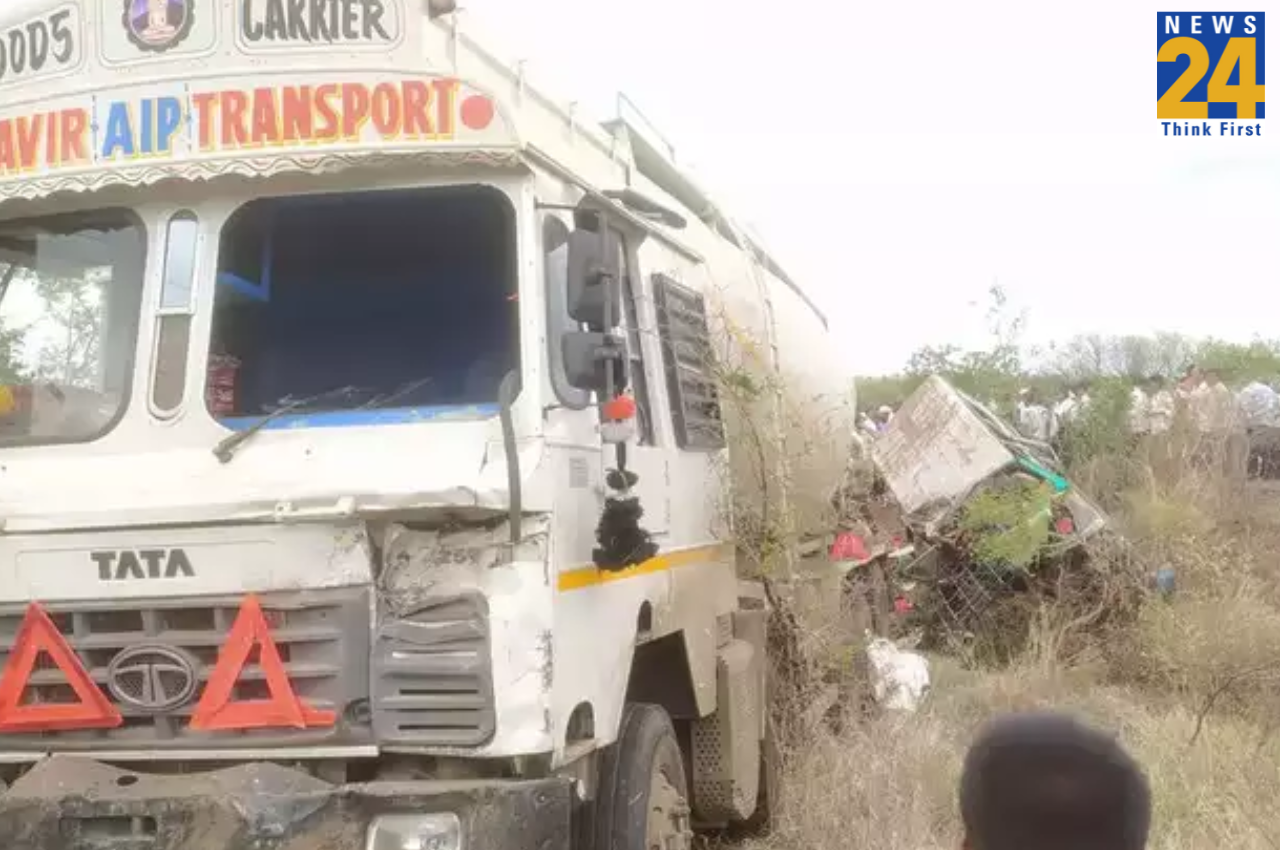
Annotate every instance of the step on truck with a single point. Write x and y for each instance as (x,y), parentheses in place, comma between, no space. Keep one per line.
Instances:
(326,343)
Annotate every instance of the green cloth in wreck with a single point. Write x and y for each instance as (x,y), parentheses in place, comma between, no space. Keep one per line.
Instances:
(1039,470)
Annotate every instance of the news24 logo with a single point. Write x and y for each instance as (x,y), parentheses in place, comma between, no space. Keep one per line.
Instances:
(1210,65)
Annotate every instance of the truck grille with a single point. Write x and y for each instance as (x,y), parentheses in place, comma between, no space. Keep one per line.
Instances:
(322,637)
(433,681)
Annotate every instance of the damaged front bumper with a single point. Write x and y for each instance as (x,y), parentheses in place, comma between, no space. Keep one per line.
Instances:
(71,803)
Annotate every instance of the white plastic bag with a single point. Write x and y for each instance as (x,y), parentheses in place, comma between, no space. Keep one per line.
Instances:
(899,679)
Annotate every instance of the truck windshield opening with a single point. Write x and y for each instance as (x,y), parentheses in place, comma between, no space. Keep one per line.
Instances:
(70,297)
(406,298)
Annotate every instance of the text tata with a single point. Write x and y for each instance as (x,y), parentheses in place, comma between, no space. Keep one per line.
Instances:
(231,119)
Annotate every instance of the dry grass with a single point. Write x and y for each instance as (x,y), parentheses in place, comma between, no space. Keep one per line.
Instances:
(1191,684)
(890,782)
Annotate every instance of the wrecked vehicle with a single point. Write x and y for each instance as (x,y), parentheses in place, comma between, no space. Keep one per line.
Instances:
(985,509)
(943,445)
(298,525)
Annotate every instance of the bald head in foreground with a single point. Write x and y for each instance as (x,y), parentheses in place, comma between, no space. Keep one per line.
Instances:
(1048,782)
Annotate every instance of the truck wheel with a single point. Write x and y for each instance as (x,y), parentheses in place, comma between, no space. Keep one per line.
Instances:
(642,796)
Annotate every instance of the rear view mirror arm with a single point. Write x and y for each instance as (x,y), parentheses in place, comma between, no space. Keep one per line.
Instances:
(507,392)
(609,374)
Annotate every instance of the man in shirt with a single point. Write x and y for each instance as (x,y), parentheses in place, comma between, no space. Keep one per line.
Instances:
(1190,379)
(1221,422)
(1066,407)
(1035,420)
(1069,409)
(1222,414)
(1045,781)
(1161,406)
(1139,413)
(1260,407)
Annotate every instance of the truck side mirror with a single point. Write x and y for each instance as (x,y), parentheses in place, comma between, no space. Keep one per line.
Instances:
(593,279)
(587,358)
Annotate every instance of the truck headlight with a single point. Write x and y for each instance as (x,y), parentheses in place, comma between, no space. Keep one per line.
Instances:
(438,831)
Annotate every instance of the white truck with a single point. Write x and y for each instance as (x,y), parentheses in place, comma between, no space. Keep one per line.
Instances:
(308,309)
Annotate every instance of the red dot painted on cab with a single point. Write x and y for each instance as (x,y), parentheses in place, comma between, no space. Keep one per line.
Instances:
(477,112)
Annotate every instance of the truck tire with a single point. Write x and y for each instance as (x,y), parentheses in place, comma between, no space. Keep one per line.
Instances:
(642,794)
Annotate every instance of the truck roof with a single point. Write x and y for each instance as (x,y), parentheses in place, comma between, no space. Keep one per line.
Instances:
(529,119)
(659,168)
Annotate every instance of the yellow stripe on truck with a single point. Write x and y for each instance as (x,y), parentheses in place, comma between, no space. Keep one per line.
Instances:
(591,576)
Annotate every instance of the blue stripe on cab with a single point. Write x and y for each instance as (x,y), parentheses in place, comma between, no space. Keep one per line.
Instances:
(352,418)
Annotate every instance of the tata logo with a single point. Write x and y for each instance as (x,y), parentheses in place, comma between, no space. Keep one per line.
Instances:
(154,679)
(128,564)
(1211,65)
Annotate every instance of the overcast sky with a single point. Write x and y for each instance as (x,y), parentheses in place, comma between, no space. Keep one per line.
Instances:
(899,158)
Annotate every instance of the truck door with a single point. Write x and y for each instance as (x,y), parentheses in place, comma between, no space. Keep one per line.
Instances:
(646,452)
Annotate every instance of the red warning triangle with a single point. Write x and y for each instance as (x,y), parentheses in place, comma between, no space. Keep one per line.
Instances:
(37,633)
(216,711)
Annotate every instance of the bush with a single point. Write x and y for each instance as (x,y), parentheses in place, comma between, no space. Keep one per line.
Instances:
(1008,526)
(1102,429)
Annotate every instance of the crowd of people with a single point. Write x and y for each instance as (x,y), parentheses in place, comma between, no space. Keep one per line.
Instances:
(1211,407)
(1246,421)
(1242,425)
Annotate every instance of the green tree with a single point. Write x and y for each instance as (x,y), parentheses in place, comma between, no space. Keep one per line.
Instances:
(1102,429)
(60,341)
(11,338)
(70,352)
(11,367)
(1240,363)
(1113,364)
(1134,357)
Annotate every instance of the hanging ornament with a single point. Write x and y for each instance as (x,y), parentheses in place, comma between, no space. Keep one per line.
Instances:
(618,419)
(623,543)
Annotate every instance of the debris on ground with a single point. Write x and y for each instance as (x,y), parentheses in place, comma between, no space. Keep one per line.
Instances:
(899,677)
